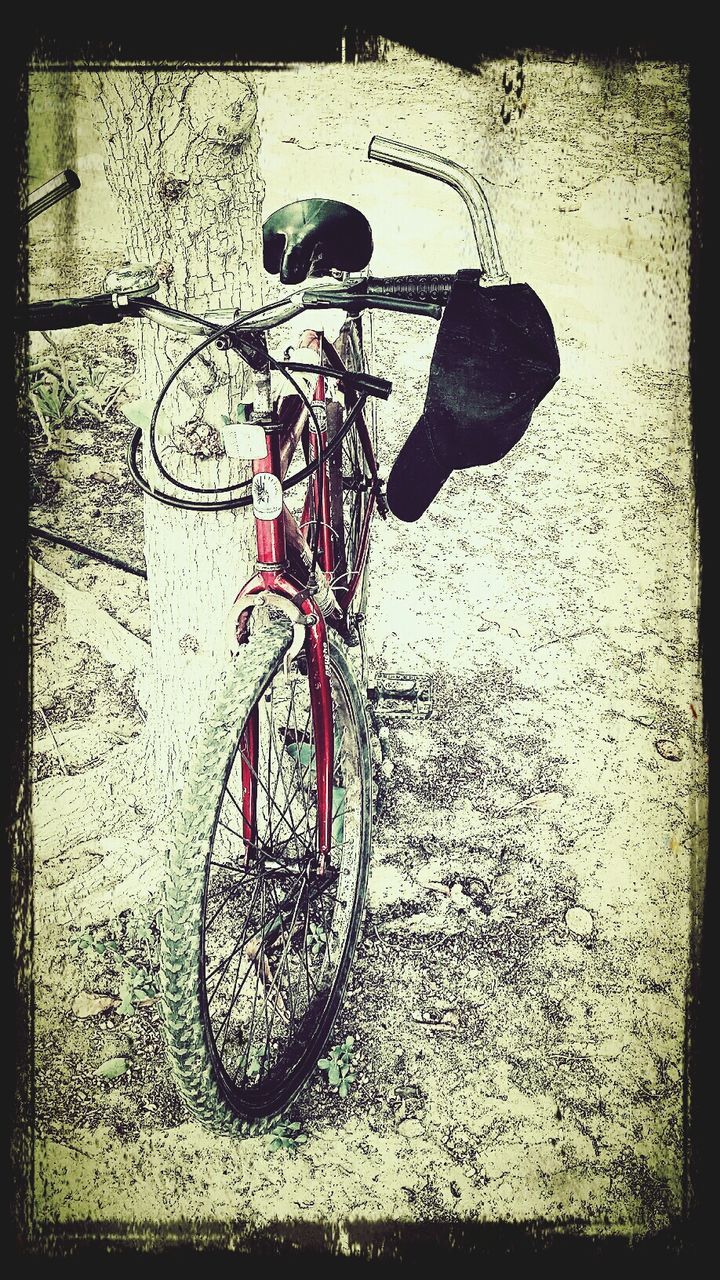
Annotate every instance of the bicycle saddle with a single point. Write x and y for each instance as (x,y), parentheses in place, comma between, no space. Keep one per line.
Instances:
(310,237)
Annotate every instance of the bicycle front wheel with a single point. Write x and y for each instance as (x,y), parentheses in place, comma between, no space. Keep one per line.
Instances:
(256,945)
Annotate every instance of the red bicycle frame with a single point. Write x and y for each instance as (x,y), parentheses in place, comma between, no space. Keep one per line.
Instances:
(275,527)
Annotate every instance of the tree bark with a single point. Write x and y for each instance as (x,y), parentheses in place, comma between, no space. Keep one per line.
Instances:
(182,161)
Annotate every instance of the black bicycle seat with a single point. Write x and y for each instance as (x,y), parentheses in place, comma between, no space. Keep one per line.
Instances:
(311,237)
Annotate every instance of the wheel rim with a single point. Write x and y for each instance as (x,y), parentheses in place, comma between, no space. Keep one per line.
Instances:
(276,937)
(356,474)
(355,477)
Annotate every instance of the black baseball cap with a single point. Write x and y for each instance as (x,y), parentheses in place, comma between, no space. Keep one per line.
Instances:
(495,358)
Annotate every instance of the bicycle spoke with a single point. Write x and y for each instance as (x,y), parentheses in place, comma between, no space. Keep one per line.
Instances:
(301,737)
(296,761)
(223,965)
(285,950)
(257,849)
(260,783)
(232,895)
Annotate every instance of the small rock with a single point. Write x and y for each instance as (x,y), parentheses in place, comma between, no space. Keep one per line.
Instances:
(669,749)
(411,1128)
(387,768)
(383,733)
(459,898)
(579,921)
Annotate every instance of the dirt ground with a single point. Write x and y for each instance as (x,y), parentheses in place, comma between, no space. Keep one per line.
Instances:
(519,996)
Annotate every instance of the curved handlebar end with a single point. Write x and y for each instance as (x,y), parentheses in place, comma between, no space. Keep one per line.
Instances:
(400,154)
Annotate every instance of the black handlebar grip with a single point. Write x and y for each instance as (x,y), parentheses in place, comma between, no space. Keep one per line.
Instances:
(69,313)
(412,288)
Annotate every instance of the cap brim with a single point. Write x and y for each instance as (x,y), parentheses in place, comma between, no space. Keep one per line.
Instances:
(417,475)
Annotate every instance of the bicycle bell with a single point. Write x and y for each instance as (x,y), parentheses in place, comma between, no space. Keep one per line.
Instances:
(131,278)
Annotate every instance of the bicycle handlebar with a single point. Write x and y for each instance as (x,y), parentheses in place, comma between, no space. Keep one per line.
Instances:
(387,151)
(70,313)
(431,290)
(50,193)
(421,295)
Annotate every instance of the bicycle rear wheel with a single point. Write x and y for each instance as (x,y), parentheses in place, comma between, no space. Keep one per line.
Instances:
(256,946)
(350,494)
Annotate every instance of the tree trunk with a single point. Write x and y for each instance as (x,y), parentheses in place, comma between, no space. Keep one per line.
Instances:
(182,161)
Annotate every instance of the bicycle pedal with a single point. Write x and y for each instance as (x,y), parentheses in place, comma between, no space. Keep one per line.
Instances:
(401,693)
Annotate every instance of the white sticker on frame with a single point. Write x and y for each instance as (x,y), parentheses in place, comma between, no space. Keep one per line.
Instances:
(266,496)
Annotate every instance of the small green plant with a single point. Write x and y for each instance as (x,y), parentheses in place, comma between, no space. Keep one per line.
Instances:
(136,985)
(317,939)
(87,941)
(60,387)
(132,951)
(286,1136)
(340,1066)
(242,414)
(51,403)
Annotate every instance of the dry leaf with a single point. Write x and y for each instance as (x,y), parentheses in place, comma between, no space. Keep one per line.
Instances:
(113,1068)
(87,1005)
(668,749)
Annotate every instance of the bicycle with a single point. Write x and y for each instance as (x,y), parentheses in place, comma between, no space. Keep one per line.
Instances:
(266,882)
